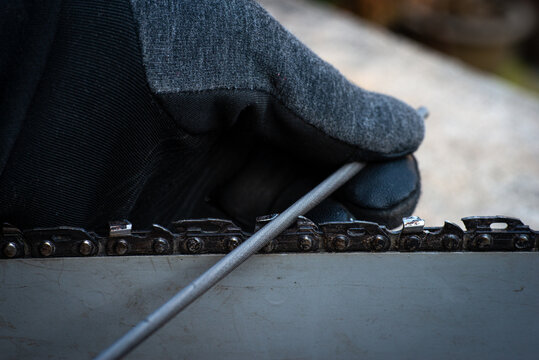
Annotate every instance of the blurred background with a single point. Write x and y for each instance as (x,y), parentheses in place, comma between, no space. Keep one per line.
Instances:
(499,36)
(472,63)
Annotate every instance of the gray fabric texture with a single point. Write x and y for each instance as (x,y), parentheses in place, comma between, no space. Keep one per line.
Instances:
(197,46)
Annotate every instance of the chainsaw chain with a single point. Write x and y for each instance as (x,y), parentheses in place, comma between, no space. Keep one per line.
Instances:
(217,236)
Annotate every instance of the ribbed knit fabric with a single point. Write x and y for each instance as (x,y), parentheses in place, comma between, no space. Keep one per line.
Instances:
(199,46)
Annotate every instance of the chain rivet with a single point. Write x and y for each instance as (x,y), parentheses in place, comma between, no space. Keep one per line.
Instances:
(483,241)
(193,245)
(232,243)
(305,243)
(412,243)
(160,246)
(450,242)
(379,242)
(46,248)
(340,242)
(522,242)
(10,249)
(86,247)
(121,247)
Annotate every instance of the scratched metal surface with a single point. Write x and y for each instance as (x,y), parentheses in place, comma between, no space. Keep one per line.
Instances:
(315,306)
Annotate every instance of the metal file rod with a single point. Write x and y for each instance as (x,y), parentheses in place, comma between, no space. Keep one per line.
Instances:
(228,263)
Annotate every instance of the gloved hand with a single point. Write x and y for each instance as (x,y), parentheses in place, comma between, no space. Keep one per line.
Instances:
(161,110)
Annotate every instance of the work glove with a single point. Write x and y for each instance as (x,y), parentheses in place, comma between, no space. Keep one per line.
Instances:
(155,111)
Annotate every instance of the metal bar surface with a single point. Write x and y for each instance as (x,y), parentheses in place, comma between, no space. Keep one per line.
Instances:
(316,306)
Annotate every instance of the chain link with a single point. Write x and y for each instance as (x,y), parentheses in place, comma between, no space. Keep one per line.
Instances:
(218,236)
